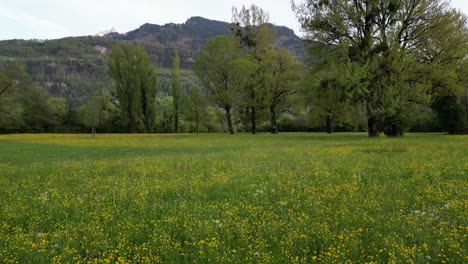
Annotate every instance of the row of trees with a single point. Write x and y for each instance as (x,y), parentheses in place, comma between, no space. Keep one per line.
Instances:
(378,65)
(241,72)
(245,72)
(25,107)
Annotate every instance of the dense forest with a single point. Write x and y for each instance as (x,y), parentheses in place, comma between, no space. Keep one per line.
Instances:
(377,68)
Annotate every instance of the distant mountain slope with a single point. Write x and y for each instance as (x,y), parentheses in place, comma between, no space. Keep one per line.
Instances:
(192,35)
(76,66)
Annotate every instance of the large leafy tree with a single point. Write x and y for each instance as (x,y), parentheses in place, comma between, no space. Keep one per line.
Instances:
(284,77)
(325,88)
(222,72)
(90,113)
(196,109)
(176,90)
(165,117)
(38,110)
(136,85)
(445,68)
(12,75)
(255,38)
(384,37)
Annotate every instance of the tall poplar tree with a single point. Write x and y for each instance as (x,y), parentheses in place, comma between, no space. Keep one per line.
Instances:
(176,90)
(136,86)
(196,110)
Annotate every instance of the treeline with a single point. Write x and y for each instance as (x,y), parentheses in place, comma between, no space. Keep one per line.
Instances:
(88,49)
(28,108)
(377,66)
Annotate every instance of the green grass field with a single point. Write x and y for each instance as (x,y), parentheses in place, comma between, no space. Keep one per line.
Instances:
(288,198)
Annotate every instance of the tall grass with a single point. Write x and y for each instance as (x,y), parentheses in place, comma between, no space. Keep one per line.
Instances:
(288,198)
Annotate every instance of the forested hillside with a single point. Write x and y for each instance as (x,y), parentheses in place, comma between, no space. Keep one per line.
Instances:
(77,64)
(74,69)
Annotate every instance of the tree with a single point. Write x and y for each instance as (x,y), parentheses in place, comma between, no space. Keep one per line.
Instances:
(176,91)
(383,37)
(58,106)
(285,77)
(221,70)
(38,112)
(165,114)
(255,38)
(445,68)
(12,75)
(106,108)
(90,113)
(136,85)
(196,110)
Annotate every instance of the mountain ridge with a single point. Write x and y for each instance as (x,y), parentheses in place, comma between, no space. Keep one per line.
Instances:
(76,66)
(194,33)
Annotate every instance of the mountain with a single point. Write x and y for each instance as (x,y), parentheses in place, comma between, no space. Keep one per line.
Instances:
(192,35)
(75,67)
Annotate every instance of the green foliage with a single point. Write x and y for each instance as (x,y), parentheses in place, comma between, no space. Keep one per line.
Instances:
(329,88)
(196,108)
(59,111)
(176,90)
(452,116)
(255,38)
(24,107)
(284,76)
(394,92)
(222,72)
(38,111)
(392,40)
(136,86)
(12,75)
(90,113)
(165,114)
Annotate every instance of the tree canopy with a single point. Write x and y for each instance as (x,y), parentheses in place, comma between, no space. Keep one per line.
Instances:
(136,85)
(222,71)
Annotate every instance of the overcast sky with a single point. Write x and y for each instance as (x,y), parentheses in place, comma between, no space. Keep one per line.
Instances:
(48,19)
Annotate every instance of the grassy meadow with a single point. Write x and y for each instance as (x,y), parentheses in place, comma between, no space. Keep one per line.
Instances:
(287,198)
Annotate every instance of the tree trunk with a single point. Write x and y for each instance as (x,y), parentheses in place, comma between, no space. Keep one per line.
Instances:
(466,104)
(328,121)
(372,130)
(100,117)
(131,126)
(274,125)
(254,119)
(176,122)
(393,130)
(227,108)
(69,117)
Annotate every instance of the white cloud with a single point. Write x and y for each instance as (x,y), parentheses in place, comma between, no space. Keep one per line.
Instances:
(43,28)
